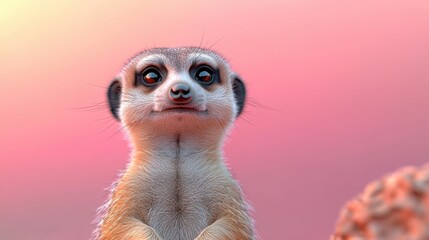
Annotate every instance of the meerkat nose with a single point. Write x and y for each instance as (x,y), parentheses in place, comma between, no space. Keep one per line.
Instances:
(180,93)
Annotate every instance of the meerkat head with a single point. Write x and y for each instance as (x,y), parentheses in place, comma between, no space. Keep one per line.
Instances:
(176,90)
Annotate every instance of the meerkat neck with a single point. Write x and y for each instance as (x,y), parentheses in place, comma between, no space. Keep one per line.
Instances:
(177,147)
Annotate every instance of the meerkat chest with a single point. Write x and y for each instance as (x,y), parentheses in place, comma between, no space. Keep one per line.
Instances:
(182,191)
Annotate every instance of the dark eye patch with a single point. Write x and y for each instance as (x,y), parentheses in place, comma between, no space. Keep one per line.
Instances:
(149,77)
(205,75)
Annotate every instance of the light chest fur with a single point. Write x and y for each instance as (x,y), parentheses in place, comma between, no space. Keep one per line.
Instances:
(186,186)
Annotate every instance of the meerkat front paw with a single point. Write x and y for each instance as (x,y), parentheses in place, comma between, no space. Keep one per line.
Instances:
(223,230)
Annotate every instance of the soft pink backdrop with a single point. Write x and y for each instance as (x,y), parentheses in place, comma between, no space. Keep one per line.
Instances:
(341,91)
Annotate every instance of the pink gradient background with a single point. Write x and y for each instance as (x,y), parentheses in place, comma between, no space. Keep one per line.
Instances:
(348,82)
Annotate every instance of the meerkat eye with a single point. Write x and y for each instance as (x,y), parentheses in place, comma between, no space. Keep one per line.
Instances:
(148,77)
(204,74)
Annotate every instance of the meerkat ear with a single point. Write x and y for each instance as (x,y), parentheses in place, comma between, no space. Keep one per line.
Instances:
(114,97)
(239,94)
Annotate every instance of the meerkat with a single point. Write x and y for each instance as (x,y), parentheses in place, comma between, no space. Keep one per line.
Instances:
(177,106)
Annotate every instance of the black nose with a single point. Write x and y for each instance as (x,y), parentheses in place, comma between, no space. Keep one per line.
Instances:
(180,93)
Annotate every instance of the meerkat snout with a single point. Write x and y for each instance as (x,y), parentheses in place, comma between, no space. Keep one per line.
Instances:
(180,93)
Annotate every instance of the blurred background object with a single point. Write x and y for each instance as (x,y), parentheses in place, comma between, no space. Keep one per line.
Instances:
(393,208)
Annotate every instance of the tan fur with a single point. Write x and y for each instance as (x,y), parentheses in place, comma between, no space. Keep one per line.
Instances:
(176,186)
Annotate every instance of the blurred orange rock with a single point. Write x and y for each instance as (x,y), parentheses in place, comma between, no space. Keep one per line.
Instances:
(393,208)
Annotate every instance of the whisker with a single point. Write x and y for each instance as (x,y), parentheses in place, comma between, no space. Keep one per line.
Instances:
(123,127)
(97,109)
(246,120)
(133,128)
(202,39)
(107,120)
(220,123)
(99,86)
(216,42)
(100,104)
(254,103)
(108,127)
(116,132)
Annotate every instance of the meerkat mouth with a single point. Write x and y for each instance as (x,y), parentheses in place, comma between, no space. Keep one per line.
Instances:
(182,110)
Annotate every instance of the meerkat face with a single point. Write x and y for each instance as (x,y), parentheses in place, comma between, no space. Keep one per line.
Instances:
(177,88)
